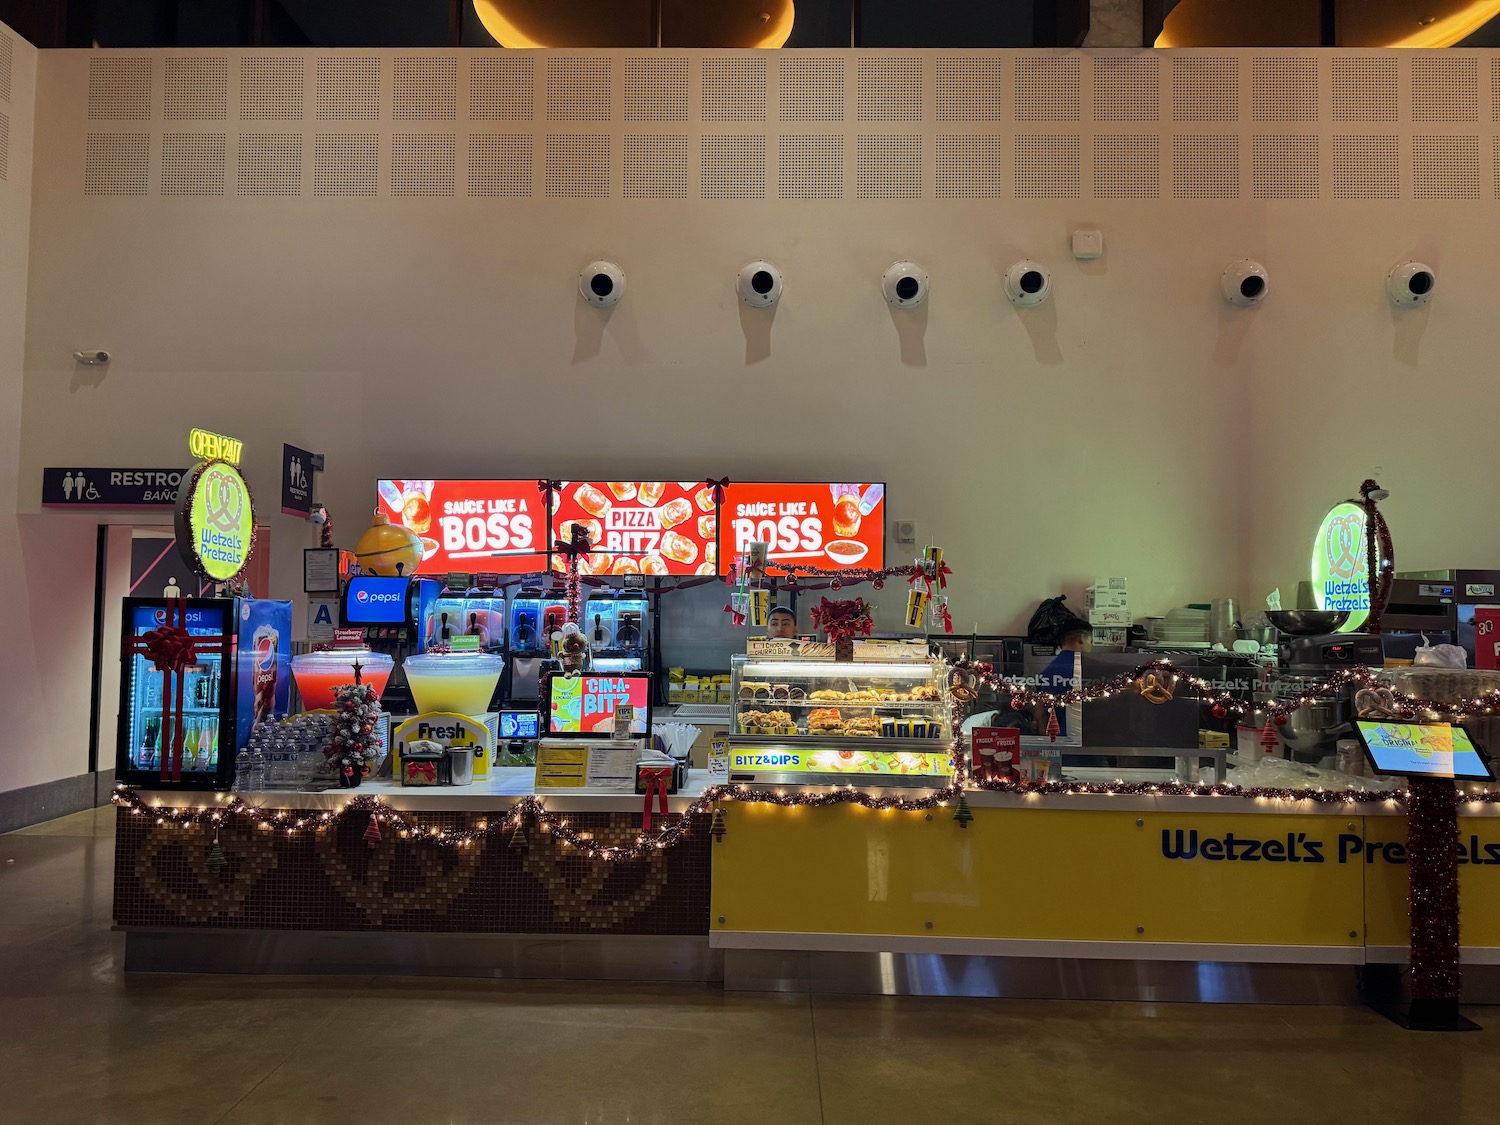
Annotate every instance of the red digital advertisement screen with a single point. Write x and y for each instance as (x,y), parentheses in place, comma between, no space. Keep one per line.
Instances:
(824,525)
(649,527)
(586,704)
(497,526)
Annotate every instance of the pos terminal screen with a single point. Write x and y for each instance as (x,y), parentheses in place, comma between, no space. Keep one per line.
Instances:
(1422,750)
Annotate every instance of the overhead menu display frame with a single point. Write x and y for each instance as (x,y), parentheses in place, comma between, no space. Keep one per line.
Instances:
(653,528)
(828,525)
(495,526)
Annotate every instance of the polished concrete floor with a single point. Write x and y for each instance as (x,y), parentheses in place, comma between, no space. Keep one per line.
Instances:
(81,1042)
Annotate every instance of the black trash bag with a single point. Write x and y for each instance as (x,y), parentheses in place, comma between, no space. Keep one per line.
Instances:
(1052,621)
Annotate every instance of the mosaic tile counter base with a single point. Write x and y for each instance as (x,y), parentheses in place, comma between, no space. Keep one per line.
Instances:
(332,880)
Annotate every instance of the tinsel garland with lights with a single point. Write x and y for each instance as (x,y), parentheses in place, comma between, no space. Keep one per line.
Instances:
(1432,868)
(1431,807)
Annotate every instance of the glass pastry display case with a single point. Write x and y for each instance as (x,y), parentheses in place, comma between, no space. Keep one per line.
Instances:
(819,721)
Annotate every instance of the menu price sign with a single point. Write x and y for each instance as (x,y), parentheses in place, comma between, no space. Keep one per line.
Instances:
(646,527)
(995,751)
(831,526)
(496,526)
(1487,636)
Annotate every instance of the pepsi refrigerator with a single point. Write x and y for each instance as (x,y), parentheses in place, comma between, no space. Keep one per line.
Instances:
(242,674)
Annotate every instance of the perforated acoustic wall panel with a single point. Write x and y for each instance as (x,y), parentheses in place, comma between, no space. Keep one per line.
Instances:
(502,87)
(4,147)
(733,166)
(271,88)
(7,64)
(197,89)
(269,164)
(656,88)
(809,126)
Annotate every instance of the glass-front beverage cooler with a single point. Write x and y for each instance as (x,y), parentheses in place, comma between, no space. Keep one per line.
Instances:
(240,674)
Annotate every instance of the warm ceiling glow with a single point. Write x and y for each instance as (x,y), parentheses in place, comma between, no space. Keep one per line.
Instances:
(1288,23)
(778,31)
(1452,28)
(532,24)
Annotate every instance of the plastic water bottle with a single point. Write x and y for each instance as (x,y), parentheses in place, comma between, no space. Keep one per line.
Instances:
(257,769)
(242,770)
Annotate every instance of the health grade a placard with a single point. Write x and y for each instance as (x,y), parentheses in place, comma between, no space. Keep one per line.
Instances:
(490,526)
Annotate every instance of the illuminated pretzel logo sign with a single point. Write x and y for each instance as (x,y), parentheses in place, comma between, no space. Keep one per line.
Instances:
(1340,567)
(215,511)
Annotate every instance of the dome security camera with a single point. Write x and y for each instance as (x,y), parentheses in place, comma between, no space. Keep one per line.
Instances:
(905,285)
(1410,283)
(759,284)
(1245,283)
(1027,283)
(602,283)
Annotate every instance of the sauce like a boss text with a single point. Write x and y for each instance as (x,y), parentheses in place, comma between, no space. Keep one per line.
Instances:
(784,527)
(477,525)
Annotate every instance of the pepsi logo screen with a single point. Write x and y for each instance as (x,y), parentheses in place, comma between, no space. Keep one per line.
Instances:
(375,601)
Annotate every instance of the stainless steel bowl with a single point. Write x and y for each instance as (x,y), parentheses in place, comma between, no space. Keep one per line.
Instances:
(1307,622)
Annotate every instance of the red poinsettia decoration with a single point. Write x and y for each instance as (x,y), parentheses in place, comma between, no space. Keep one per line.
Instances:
(843,620)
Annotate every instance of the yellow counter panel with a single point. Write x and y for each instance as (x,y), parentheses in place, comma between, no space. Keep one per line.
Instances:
(1042,874)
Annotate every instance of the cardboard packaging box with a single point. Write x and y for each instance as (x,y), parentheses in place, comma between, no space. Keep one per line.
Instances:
(1119,618)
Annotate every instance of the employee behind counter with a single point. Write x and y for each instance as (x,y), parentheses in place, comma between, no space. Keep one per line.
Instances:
(781,622)
(1058,627)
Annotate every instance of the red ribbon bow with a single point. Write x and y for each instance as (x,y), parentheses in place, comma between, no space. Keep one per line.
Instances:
(577,543)
(427,771)
(947,618)
(657,780)
(546,486)
(170,648)
(718,486)
(735,615)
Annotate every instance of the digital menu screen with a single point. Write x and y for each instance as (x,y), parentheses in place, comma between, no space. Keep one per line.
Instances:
(494,526)
(649,527)
(1422,750)
(824,525)
(585,705)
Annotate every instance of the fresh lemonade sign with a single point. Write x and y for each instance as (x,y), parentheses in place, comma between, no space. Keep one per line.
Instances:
(215,513)
(1340,566)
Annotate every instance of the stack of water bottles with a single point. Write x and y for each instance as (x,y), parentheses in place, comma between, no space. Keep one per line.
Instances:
(284,755)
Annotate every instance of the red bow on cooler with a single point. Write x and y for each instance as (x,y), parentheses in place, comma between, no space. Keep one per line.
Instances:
(718,487)
(170,648)
(425,771)
(657,780)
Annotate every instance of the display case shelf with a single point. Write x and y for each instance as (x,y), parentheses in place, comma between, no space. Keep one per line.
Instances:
(787,751)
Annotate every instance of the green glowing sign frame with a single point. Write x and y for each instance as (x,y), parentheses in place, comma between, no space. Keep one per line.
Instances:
(1340,567)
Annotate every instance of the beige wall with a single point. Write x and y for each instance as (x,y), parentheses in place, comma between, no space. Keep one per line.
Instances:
(46,631)
(443,336)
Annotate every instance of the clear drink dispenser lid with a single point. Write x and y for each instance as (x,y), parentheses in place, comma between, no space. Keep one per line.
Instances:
(334,659)
(453,663)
